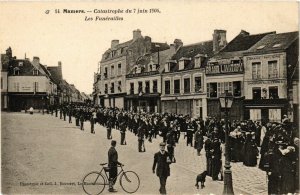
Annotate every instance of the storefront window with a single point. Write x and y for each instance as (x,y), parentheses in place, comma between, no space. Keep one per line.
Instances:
(176,86)
(256,93)
(224,86)
(187,85)
(273,93)
(167,87)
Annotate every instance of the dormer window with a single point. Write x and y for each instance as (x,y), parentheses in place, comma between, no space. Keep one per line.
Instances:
(16,71)
(167,67)
(150,68)
(183,63)
(21,63)
(260,47)
(35,72)
(135,70)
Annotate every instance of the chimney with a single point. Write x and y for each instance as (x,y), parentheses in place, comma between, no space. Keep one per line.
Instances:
(36,61)
(60,71)
(114,43)
(244,33)
(178,43)
(137,34)
(219,40)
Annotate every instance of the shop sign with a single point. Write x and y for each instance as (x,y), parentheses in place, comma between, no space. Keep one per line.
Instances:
(266,82)
(224,68)
(26,88)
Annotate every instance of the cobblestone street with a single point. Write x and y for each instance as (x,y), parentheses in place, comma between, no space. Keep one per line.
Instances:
(42,148)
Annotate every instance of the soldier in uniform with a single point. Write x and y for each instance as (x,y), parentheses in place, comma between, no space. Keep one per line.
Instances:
(189,134)
(109,127)
(141,135)
(123,131)
(81,121)
(92,121)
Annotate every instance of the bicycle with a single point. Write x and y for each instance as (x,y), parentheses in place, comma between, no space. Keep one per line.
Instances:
(95,182)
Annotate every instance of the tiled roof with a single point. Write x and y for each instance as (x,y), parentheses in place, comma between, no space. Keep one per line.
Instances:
(25,70)
(190,51)
(273,42)
(56,73)
(162,46)
(243,42)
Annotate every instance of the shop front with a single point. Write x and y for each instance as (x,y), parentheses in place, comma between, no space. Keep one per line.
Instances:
(143,103)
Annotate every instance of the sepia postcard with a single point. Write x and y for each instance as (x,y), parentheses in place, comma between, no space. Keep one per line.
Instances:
(149,97)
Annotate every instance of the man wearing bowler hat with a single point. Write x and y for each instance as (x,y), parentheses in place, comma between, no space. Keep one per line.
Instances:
(163,161)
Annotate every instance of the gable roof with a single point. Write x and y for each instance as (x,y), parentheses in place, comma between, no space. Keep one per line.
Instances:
(274,42)
(190,52)
(56,73)
(26,69)
(243,41)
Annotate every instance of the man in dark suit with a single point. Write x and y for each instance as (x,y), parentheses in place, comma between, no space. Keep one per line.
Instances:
(113,165)
(163,161)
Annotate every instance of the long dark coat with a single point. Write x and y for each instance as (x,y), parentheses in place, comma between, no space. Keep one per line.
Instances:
(163,168)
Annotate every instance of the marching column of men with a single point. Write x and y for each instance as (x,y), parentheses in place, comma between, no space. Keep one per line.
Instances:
(278,142)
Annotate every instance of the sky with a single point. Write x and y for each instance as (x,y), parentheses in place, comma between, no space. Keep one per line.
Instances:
(35,29)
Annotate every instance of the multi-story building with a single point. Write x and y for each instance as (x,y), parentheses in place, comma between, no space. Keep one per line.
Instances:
(270,65)
(116,63)
(29,85)
(183,79)
(143,83)
(5,58)
(56,75)
(225,71)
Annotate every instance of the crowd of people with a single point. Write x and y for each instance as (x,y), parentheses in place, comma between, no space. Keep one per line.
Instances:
(277,144)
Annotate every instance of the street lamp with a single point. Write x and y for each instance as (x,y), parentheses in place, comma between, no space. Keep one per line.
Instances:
(176,101)
(226,100)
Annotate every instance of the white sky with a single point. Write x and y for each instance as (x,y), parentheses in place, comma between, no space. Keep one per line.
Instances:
(79,44)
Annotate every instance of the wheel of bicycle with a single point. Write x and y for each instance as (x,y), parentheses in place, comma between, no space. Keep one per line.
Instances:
(93,183)
(130,181)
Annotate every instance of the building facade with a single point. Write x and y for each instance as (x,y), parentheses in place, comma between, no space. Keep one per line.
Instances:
(183,78)
(29,85)
(143,83)
(225,71)
(268,83)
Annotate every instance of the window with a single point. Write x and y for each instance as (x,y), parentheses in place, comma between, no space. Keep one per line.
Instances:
(198,84)
(272,69)
(155,86)
(1,83)
(273,92)
(224,86)
(113,53)
(16,71)
(256,70)
(119,69)
(105,73)
(261,47)
(112,71)
(256,93)
(150,68)
(147,87)
(131,88)
(35,87)
(167,87)
(112,88)
(120,86)
(35,72)
(187,85)
(212,89)
(177,86)
(140,90)
(106,89)
(237,88)
(20,63)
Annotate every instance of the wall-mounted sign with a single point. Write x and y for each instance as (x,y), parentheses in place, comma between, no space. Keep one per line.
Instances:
(224,68)
(266,82)
(26,88)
